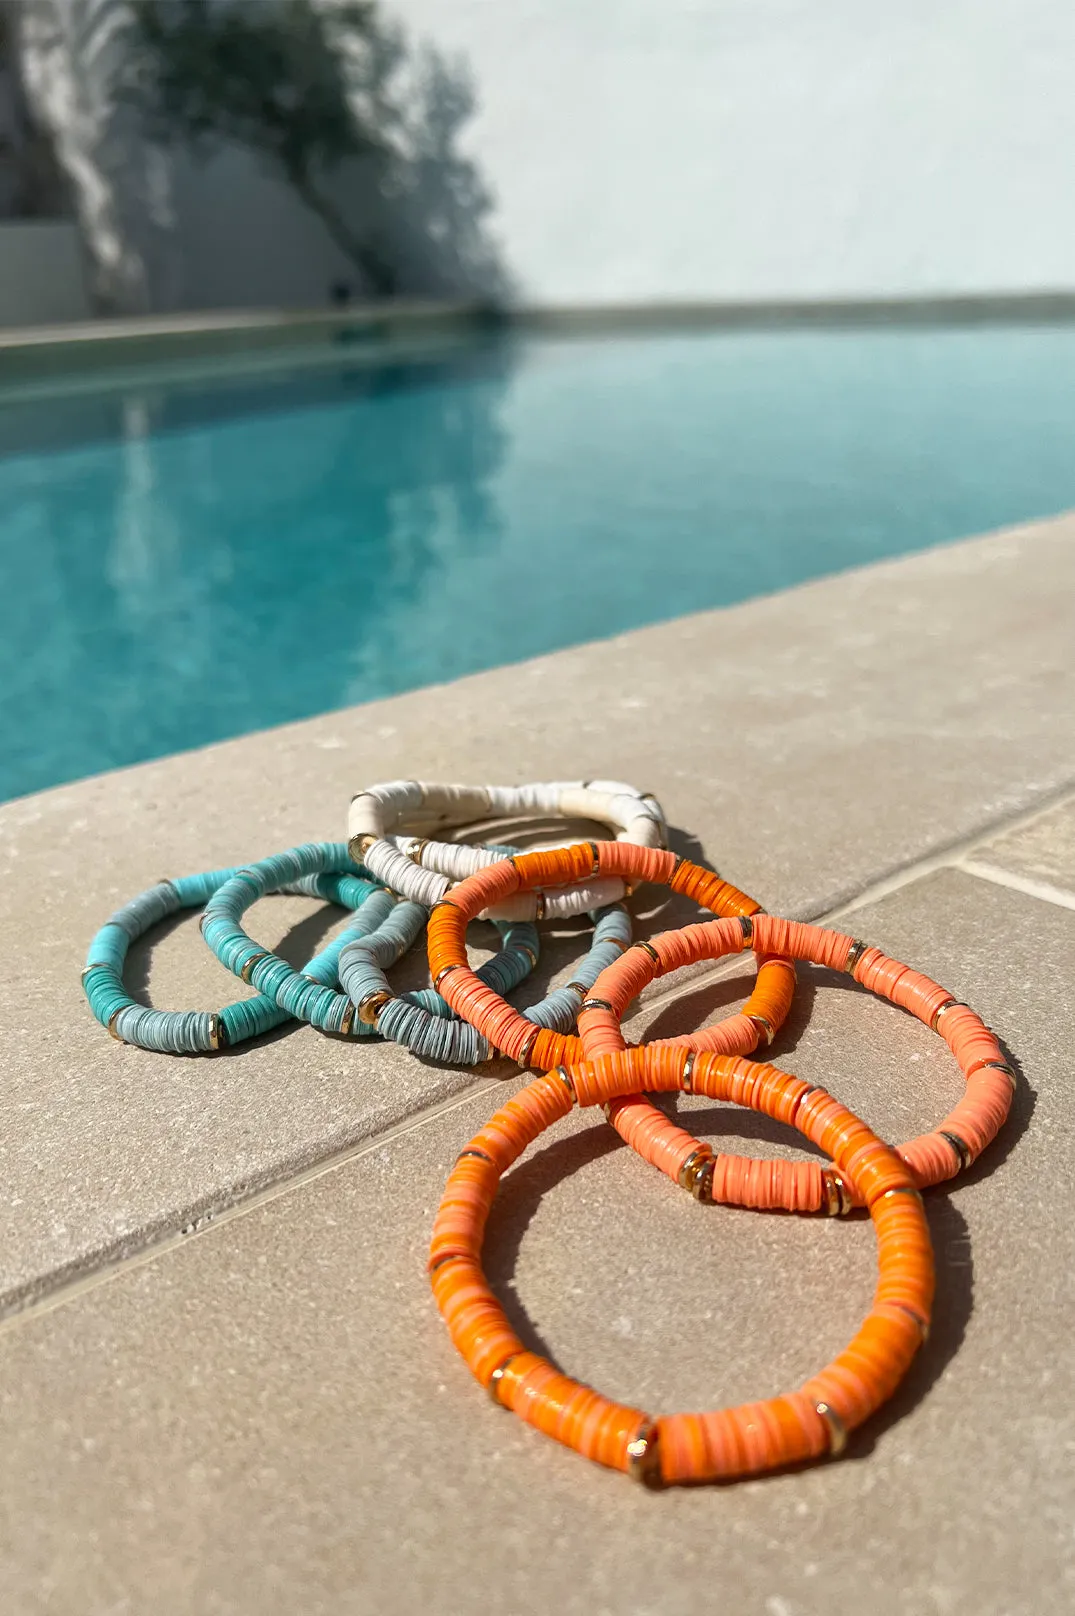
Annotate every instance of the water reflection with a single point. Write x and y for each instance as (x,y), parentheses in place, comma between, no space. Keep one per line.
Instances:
(192,580)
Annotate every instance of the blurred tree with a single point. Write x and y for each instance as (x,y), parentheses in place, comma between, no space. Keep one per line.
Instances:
(303,85)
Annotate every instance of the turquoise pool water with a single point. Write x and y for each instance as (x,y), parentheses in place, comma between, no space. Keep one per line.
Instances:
(182,564)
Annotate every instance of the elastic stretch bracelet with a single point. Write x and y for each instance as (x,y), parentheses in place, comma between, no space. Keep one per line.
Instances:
(190,1032)
(805,1424)
(954,1144)
(423,870)
(509,1032)
(398,924)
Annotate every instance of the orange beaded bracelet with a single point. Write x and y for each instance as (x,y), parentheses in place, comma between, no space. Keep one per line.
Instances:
(761,1016)
(802,1186)
(738,1180)
(804,1424)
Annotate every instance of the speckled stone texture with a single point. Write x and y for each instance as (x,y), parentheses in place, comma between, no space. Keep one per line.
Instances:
(808,744)
(271,1419)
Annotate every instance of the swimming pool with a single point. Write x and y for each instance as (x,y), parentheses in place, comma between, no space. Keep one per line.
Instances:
(187,562)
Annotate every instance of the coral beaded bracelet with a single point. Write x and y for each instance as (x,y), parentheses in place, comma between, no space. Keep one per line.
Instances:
(507,1031)
(755,1437)
(956,1141)
(423,870)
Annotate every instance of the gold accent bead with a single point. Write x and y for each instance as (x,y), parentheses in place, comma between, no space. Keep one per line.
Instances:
(855,951)
(577,987)
(480,1154)
(493,1383)
(923,1327)
(651,951)
(596,858)
(838,1200)
(371,1007)
(251,965)
(836,1428)
(539,905)
(566,1079)
(902,1189)
(359,846)
(415,853)
(528,1046)
(687,1078)
(764,1026)
(997,1066)
(746,926)
(960,1146)
(692,1167)
(594,1004)
(218,1038)
(113,1018)
(97,965)
(347,1025)
(940,1013)
(702,1188)
(442,973)
(642,1457)
(445,1257)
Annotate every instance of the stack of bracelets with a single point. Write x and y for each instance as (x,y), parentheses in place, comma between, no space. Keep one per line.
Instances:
(398,881)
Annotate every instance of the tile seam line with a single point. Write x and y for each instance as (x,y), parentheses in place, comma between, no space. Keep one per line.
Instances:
(77,1284)
(951,855)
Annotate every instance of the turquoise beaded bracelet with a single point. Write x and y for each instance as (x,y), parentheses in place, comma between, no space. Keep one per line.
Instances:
(422,1022)
(189,1032)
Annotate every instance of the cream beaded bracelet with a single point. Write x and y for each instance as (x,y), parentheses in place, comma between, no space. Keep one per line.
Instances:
(423,869)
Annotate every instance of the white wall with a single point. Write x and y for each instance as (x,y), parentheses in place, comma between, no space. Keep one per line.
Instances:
(752,148)
(41,273)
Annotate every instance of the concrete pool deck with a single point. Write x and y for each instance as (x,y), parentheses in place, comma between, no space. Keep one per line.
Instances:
(223,1384)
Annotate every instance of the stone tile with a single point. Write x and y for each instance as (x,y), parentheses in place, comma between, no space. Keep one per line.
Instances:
(270,1418)
(1043,850)
(807,744)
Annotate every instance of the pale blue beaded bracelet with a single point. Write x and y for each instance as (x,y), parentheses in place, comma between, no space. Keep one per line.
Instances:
(422,1021)
(189,1032)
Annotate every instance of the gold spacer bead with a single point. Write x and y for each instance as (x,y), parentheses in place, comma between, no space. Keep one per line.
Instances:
(566,1079)
(960,1146)
(903,1189)
(522,948)
(480,1154)
(371,1007)
(97,965)
(577,987)
(218,1038)
(838,1200)
(528,1046)
(442,973)
(702,1188)
(251,965)
(642,1455)
(764,1026)
(493,1383)
(539,905)
(940,1013)
(596,858)
(836,1428)
(445,1257)
(113,1018)
(855,952)
(746,926)
(687,1078)
(651,951)
(359,846)
(415,854)
(594,1004)
(923,1327)
(692,1168)
(347,1025)
(997,1066)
